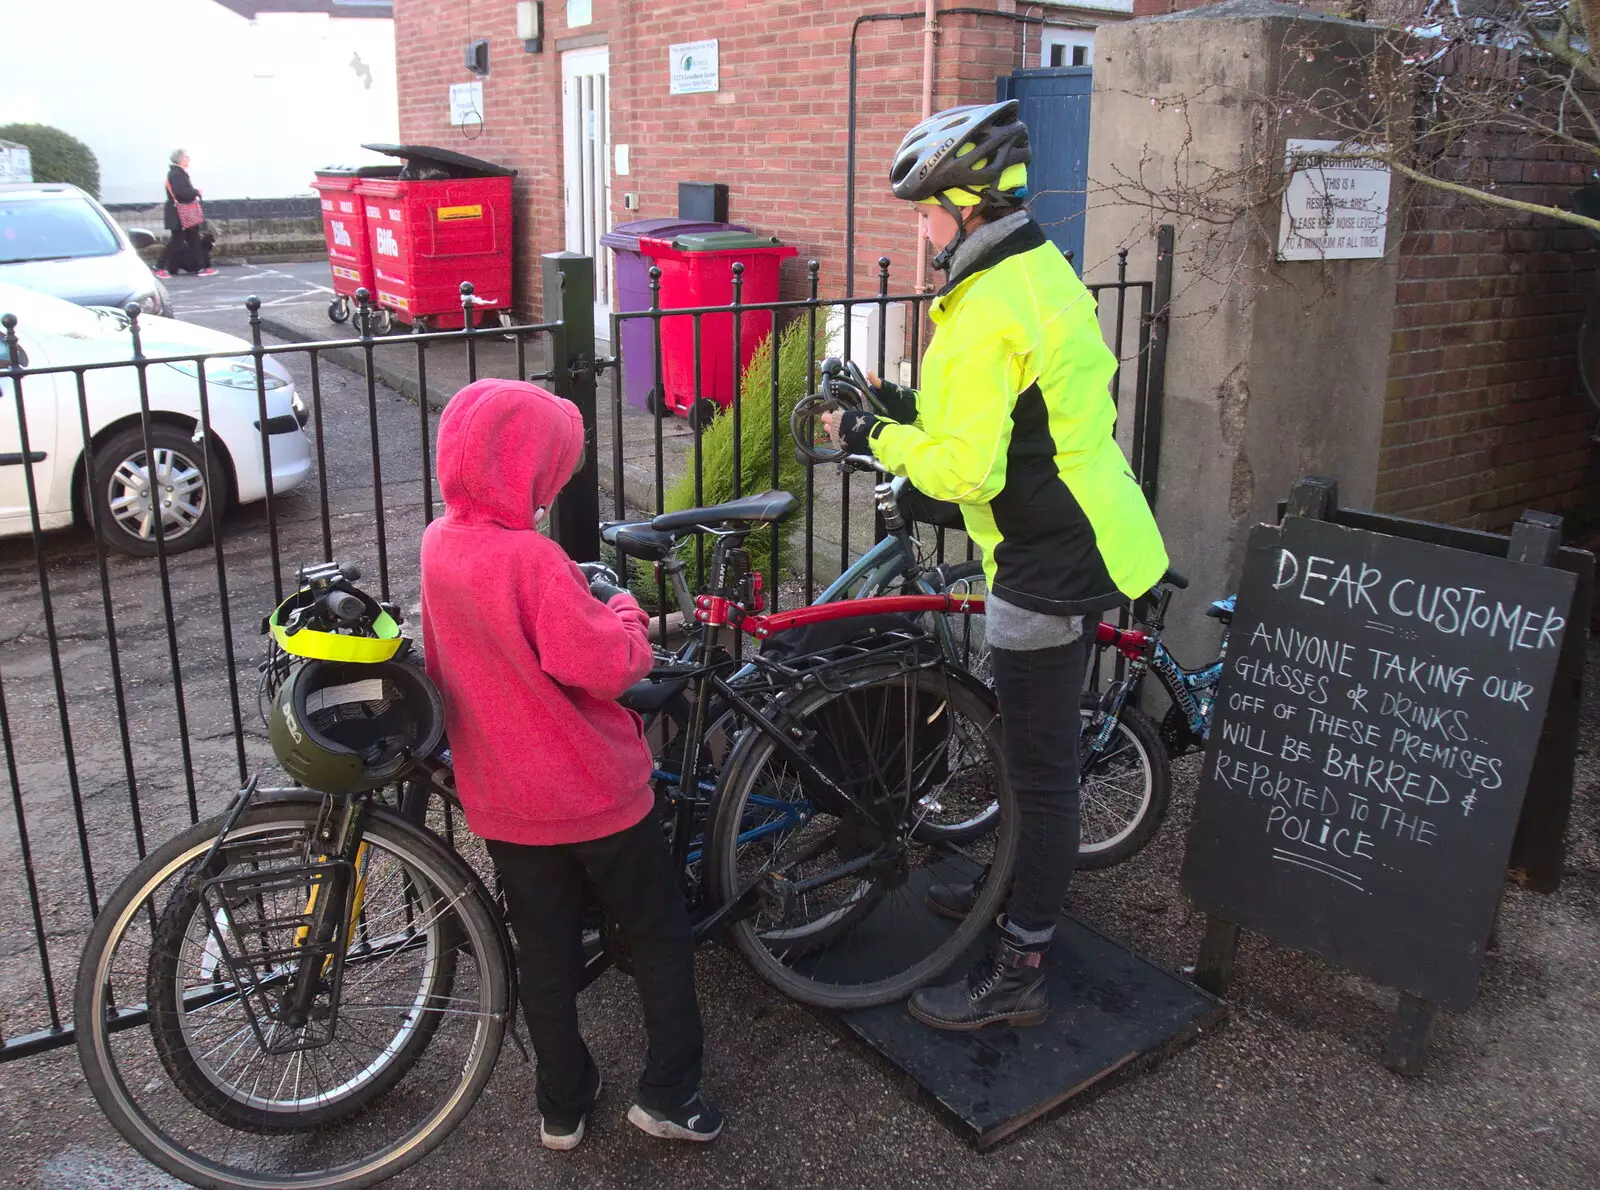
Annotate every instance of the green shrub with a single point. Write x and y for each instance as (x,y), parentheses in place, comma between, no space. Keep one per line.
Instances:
(57,156)
(755,458)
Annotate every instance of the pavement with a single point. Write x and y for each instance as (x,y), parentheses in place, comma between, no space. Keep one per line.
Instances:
(1289,1093)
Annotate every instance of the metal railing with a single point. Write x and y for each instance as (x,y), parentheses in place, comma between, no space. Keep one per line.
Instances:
(1133,317)
(123,714)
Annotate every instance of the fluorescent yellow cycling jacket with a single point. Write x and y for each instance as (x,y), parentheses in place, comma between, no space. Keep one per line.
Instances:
(1014,423)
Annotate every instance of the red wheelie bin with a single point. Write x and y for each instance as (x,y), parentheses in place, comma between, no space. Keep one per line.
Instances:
(443,219)
(344,227)
(697,270)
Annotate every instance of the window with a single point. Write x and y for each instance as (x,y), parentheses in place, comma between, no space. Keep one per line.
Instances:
(53,229)
(1067,47)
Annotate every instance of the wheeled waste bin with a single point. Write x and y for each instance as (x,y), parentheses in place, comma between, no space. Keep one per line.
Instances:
(638,345)
(696,271)
(444,218)
(344,227)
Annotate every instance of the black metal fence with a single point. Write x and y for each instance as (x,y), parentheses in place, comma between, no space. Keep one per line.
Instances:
(1133,318)
(127,682)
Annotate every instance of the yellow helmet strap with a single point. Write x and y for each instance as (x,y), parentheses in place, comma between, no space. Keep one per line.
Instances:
(313,643)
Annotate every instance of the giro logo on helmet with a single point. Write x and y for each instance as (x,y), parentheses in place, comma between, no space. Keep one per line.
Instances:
(936,156)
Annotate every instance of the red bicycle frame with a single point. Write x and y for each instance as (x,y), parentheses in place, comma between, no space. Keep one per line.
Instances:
(718,612)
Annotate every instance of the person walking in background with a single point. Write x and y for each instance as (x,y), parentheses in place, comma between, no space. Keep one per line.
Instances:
(189,248)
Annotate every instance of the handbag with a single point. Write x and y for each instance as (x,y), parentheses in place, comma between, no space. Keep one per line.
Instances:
(190,214)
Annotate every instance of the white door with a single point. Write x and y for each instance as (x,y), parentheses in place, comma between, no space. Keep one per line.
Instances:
(586,124)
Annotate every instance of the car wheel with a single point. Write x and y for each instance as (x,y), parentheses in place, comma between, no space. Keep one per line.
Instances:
(121,487)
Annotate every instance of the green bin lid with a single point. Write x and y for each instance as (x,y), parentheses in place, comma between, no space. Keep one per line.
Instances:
(722,241)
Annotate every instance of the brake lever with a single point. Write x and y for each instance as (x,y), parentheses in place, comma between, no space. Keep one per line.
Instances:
(864,463)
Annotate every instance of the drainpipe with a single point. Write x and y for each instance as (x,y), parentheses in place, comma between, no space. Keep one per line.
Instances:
(850,148)
(930,38)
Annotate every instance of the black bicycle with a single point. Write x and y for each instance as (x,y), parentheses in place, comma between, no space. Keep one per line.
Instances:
(312,991)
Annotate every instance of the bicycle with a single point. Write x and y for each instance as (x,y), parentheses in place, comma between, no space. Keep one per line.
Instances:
(312,990)
(1124,781)
(1136,753)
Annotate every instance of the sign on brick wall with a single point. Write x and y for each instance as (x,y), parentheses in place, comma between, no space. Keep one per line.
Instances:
(466,103)
(694,67)
(1333,208)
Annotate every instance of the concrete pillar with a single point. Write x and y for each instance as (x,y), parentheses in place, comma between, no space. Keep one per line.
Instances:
(1274,370)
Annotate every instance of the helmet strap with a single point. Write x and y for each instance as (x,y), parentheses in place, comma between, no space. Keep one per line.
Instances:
(947,254)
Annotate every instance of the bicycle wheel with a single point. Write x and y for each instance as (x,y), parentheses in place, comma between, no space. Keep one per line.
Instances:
(424,990)
(1123,789)
(846,926)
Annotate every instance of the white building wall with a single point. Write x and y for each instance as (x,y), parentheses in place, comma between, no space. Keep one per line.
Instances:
(258,104)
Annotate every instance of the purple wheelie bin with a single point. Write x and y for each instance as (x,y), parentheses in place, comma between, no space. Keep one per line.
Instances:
(638,346)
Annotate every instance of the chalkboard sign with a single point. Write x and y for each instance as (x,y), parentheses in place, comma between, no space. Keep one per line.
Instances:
(1375,727)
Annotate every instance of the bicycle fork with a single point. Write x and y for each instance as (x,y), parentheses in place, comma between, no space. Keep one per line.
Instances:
(332,904)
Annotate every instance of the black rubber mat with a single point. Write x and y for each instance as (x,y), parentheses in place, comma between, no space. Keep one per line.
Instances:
(1110,1008)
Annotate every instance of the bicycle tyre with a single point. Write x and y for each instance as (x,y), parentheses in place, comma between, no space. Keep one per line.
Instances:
(962,696)
(1137,737)
(482,942)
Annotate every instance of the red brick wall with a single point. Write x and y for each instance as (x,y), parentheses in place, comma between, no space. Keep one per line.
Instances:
(1486,415)
(775,133)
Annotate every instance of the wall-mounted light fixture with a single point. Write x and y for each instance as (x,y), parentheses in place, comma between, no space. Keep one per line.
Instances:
(477,57)
(530,24)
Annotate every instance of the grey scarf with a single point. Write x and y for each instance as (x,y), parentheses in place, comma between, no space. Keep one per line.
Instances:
(985,237)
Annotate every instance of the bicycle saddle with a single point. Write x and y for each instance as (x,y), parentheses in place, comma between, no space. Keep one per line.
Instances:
(649,695)
(639,540)
(764,509)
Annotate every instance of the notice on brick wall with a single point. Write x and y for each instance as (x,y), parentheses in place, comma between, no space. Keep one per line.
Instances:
(1334,208)
(693,67)
(466,103)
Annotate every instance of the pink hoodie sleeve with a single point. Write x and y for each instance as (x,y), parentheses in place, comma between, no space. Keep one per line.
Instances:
(598,648)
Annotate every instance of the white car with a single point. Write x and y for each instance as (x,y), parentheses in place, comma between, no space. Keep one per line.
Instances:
(54,333)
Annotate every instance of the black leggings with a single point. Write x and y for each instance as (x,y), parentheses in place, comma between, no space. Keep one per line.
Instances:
(1039,692)
(631,871)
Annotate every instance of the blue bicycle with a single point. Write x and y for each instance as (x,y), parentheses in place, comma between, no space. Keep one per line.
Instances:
(1127,757)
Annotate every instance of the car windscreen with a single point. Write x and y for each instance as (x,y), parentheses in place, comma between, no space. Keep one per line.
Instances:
(52,229)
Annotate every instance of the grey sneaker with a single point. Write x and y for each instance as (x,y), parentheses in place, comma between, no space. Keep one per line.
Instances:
(696,1120)
(562,1137)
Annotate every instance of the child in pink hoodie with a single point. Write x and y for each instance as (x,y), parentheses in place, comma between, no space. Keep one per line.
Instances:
(551,771)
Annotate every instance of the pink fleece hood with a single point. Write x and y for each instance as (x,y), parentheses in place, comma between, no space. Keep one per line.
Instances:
(506,448)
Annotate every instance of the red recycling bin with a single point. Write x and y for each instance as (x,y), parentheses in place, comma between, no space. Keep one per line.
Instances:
(345,230)
(697,270)
(443,219)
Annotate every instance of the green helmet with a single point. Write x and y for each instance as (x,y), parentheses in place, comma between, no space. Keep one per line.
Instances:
(344,727)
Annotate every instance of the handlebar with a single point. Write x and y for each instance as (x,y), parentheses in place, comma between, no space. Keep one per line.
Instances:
(844,386)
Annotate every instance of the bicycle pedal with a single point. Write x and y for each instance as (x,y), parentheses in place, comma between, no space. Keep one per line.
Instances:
(777,897)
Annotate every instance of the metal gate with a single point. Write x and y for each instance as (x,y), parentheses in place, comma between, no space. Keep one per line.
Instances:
(1055,106)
